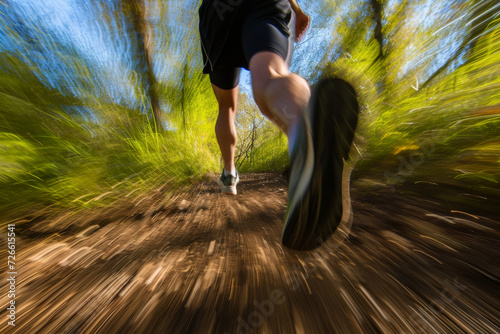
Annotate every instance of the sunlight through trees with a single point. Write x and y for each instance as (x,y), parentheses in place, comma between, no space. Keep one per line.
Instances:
(108,96)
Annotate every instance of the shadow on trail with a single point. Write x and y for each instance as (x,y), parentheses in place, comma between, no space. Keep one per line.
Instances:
(203,262)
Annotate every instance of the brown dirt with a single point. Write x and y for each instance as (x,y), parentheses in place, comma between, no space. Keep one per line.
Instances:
(203,262)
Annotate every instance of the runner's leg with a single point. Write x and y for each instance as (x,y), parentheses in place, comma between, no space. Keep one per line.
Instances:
(282,96)
(225,130)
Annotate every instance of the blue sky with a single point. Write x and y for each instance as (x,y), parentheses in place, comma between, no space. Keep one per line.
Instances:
(77,23)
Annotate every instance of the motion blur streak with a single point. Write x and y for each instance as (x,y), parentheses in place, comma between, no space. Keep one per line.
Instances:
(108,161)
(203,262)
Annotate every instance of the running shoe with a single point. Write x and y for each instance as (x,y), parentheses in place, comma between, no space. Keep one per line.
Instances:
(228,182)
(318,193)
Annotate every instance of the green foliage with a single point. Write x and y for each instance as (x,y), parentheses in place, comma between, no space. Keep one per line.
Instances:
(443,130)
(78,131)
(270,155)
(49,155)
(261,145)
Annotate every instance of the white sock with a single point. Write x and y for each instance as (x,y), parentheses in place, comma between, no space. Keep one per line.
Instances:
(232,172)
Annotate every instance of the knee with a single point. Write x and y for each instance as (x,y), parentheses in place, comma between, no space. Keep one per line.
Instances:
(226,99)
(227,113)
(300,83)
(290,88)
(292,83)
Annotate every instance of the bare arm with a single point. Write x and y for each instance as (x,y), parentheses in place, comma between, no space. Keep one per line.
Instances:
(295,6)
(301,20)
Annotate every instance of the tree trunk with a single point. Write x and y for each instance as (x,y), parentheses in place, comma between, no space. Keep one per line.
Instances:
(183,93)
(377,33)
(137,9)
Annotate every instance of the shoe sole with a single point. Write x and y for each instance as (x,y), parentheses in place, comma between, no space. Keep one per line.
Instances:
(230,190)
(315,215)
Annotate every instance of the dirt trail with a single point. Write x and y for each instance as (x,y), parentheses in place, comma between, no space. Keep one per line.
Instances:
(203,262)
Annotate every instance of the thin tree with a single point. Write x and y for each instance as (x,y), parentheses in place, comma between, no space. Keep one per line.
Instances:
(377,33)
(136,10)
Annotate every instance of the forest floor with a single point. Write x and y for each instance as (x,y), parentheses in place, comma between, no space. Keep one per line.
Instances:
(199,261)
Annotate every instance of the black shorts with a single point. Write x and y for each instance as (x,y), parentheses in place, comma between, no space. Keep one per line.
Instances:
(232,31)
